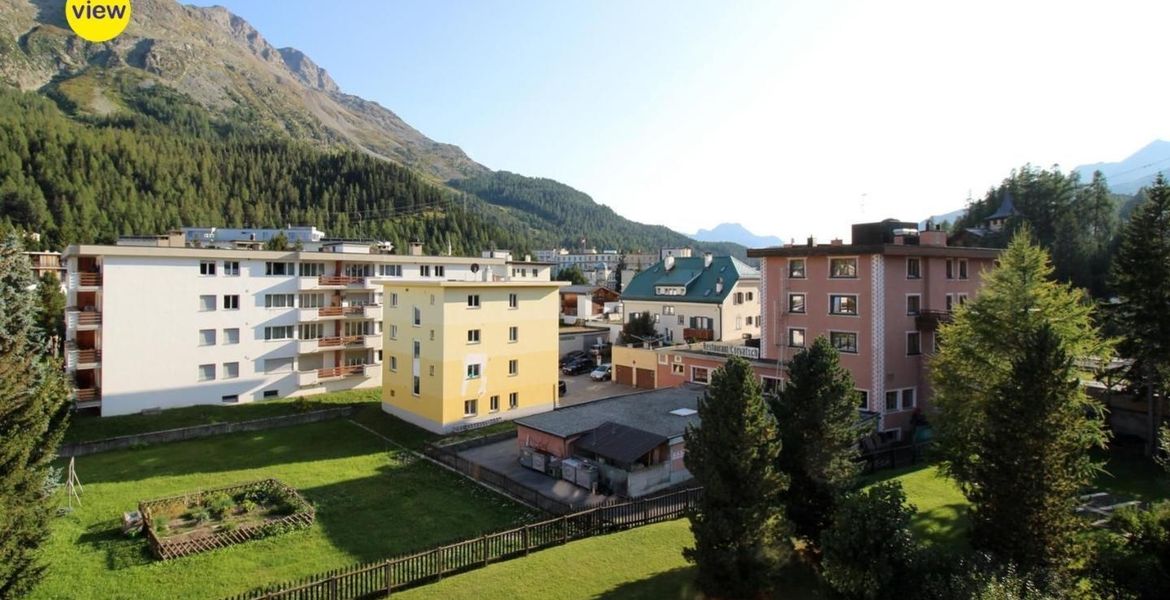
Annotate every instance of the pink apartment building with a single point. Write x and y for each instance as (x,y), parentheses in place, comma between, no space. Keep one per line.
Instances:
(879,300)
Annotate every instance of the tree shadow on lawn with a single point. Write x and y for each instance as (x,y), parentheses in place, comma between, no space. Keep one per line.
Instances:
(326,440)
(121,551)
(796,583)
(944,527)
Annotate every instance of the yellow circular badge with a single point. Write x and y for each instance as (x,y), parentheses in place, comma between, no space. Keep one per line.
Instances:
(98,20)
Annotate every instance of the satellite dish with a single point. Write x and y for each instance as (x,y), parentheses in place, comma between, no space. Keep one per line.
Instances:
(475,267)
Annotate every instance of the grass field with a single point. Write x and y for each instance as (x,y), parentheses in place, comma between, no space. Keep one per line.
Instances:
(372,501)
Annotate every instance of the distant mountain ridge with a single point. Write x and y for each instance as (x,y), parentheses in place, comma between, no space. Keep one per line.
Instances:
(1135,171)
(738,234)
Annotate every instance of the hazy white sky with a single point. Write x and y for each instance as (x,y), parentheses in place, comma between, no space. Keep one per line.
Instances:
(794,118)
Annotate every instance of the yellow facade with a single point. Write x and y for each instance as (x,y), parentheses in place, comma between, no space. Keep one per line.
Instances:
(449,397)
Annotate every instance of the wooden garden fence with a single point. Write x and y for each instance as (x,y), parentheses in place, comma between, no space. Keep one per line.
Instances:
(380,579)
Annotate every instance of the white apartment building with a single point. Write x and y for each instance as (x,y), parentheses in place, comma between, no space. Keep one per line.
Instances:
(150,325)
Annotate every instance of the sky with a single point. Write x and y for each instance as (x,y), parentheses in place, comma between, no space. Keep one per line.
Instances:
(792,118)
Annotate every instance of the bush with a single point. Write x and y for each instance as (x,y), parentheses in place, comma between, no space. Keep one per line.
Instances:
(199,515)
(247,506)
(218,504)
(980,577)
(1134,558)
(868,549)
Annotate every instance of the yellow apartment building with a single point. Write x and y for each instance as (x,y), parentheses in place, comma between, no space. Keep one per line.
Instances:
(462,354)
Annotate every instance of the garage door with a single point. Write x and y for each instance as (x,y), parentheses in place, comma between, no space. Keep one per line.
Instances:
(646,379)
(624,375)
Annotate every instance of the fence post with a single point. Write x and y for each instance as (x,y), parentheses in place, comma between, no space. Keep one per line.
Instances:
(484,547)
(564,529)
(333,587)
(526,540)
(389,578)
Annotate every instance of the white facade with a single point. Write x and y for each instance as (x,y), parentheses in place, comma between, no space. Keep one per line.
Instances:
(736,318)
(162,327)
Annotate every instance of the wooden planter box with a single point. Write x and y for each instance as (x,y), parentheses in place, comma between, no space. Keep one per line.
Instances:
(166,549)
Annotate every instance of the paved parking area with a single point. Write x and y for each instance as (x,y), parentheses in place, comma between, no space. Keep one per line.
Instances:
(581,389)
(504,458)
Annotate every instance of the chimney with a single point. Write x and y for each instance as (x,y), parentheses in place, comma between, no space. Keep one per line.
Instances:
(527,258)
(707,258)
(719,286)
(837,242)
(812,241)
(668,263)
(416,248)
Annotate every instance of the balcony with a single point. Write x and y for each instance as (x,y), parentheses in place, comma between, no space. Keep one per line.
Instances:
(316,376)
(329,344)
(82,359)
(86,280)
(698,335)
(929,320)
(82,319)
(339,280)
(87,398)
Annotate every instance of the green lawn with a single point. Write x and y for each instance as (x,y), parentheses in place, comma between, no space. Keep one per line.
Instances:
(373,501)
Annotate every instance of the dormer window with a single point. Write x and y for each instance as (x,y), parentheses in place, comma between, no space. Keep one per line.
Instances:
(670,290)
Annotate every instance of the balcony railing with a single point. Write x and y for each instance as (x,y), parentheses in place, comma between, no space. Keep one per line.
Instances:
(89,279)
(89,318)
(87,397)
(699,335)
(346,371)
(85,357)
(338,280)
(929,320)
(338,341)
(329,311)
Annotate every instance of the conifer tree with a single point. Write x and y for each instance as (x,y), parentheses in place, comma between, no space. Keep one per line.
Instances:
(1141,278)
(817,416)
(1014,428)
(51,312)
(33,412)
(739,527)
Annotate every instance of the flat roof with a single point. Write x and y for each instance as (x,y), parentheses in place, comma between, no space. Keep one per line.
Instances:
(887,249)
(285,255)
(469,284)
(575,329)
(648,411)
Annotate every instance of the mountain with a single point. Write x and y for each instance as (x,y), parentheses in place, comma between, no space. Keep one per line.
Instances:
(738,234)
(1133,173)
(208,74)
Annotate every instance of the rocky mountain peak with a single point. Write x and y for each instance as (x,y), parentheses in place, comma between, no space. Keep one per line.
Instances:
(307,71)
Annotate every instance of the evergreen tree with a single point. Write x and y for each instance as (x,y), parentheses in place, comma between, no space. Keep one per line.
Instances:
(869,551)
(739,527)
(816,413)
(51,312)
(1014,428)
(572,274)
(33,414)
(639,329)
(1141,278)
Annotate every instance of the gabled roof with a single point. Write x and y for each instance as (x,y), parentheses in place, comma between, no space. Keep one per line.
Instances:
(620,443)
(1006,208)
(689,272)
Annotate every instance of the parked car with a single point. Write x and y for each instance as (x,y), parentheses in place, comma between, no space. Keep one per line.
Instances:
(603,372)
(578,366)
(572,356)
(562,389)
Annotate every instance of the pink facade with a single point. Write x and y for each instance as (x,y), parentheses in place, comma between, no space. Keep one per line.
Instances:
(880,306)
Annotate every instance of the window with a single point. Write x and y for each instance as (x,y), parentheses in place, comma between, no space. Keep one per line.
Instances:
(390,270)
(907,398)
(843,268)
(278,332)
(950,268)
(473,371)
(513,301)
(393,363)
(473,301)
(431,370)
(231,335)
(913,267)
(417,348)
(278,365)
(424,270)
(738,323)
(230,399)
(842,304)
(393,332)
(271,393)
(279,300)
(417,317)
(312,269)
(231,370)
(699,374)
(844,341)
(432,335)
(667,309)
(962,268)
(513,366)
(862,399)
(207,267)
(676,369)
(913,343)
(681,319)
(796,303)
(440,270)
(206,303)
(394,300)
(771,385)
(738,298)
(231,268)
(278,268)
(417,385)
(231,302)
(962,298)
(494,403)
(312,300)
(749,321)
(513,400)
(472,336)
(206,337)
(206,372)
(513,333)
(662,359)
(913,304)
(312,331)
(796,268)
(750,296)
(796,337)
(950,302)
(891,401)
